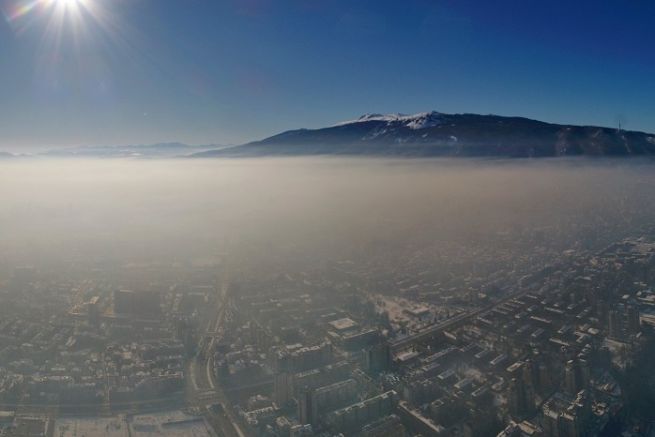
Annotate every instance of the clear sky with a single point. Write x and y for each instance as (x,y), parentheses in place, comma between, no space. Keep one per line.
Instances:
(99,72)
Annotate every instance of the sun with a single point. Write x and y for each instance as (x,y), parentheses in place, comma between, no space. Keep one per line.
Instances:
(72,8)
(69,29)
(55,16)
(65,26)
(56,8)
(68,3)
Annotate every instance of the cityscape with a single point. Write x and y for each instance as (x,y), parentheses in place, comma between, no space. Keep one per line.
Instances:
(330,218)
(535,341)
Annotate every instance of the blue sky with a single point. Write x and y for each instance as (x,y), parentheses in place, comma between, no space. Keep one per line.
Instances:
(229,71)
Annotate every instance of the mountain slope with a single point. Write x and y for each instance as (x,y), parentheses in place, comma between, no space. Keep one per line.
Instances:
(438,134)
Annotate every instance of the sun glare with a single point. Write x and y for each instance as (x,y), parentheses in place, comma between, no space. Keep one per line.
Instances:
(26,8)
(54,16)
(66,26)
(67,3)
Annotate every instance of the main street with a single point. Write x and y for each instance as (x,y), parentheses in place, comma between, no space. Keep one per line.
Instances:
(202,388)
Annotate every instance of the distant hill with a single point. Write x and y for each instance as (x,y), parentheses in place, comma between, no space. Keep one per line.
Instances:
(438,134)
(160,150)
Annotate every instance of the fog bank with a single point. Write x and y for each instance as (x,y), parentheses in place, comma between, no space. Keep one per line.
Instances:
(306,210)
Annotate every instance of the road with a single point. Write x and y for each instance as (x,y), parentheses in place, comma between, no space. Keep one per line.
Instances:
(202,387)
(455,321)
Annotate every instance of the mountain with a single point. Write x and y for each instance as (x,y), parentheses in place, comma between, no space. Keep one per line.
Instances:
(439,134)
(160,150)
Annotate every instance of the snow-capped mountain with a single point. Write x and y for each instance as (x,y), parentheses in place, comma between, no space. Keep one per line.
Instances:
(438,134)
(421,120)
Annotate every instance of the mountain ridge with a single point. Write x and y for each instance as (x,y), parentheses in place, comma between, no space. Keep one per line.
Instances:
(438,134)
(156,150)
